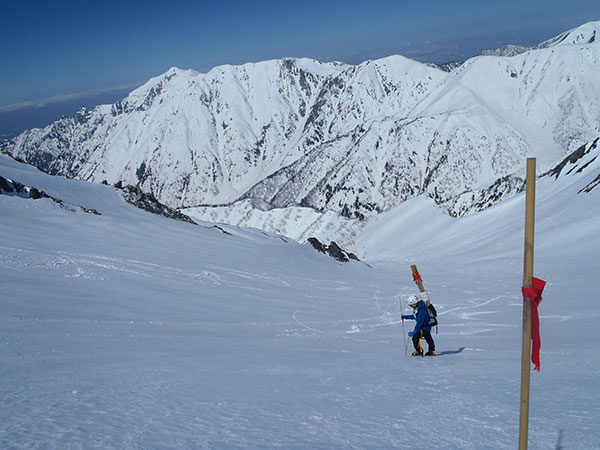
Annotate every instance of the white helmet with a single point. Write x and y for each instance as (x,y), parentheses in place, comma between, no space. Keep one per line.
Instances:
(413,300)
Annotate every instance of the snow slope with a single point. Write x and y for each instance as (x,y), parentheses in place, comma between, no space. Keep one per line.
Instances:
(128,330)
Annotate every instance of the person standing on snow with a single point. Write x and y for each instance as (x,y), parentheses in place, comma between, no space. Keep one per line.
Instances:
(422,328)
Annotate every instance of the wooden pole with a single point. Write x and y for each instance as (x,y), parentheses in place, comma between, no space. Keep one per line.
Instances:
(527,275)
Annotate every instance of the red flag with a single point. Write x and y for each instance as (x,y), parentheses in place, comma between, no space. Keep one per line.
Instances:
(534,294)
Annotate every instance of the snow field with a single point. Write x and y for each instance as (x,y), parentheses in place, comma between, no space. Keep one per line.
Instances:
(132,331)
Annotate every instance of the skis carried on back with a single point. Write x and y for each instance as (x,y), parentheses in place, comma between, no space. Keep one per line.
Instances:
(431,312)
(417,278)
(425,296)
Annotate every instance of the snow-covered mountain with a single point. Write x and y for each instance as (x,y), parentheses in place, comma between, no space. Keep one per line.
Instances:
(585,34)
(302,143)
(507,50)
(300,223)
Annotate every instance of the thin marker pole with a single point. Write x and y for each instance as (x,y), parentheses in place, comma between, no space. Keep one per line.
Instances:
(527,282)
(404,336)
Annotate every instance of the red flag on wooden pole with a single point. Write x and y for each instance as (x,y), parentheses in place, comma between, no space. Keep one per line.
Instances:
(534,294)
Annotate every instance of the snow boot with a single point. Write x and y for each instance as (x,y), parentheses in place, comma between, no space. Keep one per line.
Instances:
(430,353)
(417,353)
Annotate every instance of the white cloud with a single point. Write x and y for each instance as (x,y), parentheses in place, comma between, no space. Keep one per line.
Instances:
(40,103)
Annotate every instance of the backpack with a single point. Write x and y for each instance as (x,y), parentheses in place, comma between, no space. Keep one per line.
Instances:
(432,315)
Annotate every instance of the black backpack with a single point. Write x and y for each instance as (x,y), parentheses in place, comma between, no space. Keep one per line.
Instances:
(433,322)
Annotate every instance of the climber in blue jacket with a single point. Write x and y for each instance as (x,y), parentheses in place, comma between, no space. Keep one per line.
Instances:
(422,328)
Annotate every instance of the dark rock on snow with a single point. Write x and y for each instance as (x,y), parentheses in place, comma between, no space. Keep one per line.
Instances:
(333,250)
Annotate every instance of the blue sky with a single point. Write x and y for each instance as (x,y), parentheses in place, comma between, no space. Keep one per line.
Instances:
(75,53)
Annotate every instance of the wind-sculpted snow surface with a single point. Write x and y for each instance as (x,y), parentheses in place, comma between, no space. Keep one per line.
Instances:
(351,140)
(132,330)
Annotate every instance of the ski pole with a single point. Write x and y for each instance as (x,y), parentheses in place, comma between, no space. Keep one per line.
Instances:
(404,336)
(403,332)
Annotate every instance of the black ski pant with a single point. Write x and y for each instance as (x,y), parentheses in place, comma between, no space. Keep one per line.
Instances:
(426,334)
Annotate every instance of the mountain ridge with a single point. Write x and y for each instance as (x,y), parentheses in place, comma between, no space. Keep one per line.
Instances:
(353,141)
